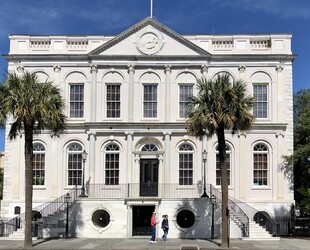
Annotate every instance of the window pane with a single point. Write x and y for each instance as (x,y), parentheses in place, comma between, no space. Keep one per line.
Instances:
(113,101)
(38,164)
(186,91)
(185,165)
(150,101)
(112,165)
(76,100)
(260,100)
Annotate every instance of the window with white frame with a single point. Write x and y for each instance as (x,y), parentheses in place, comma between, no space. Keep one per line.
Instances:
(150,101)
(113,101)
(112,164)
(186,156)
(38,164)
(149,148)
(260,165)
(76,100)
(228,164)
(186,91)
(75,164)
(260,94)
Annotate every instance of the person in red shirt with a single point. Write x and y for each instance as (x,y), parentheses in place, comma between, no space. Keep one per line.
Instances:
(153,225)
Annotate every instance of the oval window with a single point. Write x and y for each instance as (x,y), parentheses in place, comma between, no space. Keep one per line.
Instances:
(101,218)
(185,218)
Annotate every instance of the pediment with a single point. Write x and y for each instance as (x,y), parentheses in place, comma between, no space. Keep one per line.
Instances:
(149,38)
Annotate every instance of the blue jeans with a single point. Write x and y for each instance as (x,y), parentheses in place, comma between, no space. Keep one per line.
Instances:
(153,234)
(164,237)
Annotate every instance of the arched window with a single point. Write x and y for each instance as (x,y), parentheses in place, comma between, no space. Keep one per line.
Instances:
(186,155)
(38,164)
(149,147)
(260,165)
(75,164)
(112,164)
(228,161)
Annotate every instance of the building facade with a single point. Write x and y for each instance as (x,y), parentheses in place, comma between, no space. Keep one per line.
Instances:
(126,105)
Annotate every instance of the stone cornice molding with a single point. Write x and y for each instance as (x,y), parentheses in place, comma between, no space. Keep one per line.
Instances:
(135,58)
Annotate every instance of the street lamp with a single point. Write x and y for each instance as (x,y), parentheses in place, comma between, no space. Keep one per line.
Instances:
(213,201)
(204,159)
(67,201)
(84,157)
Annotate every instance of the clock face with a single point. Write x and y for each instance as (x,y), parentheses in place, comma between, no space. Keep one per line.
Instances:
(149,42)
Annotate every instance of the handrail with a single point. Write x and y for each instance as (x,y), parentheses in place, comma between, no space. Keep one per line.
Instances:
(234,209)
(43,210)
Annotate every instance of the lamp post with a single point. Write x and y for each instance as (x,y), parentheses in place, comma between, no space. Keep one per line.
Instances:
(213,201)
(84,157)
(67,201)
(204,159)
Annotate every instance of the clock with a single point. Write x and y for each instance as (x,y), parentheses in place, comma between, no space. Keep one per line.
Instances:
(149,41)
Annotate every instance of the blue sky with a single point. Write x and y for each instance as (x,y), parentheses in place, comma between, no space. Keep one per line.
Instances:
(111,17)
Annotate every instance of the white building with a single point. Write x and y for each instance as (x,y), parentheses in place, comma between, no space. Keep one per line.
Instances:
(125,101)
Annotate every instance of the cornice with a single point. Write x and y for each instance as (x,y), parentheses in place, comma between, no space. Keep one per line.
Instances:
(161,125)
(89,58)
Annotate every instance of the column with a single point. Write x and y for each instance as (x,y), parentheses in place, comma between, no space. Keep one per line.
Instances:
(93,70)
(92,156)
(280,87)
(131,71)
(204,71)
(241,70)
(166,171)
(129,138)
(167,90)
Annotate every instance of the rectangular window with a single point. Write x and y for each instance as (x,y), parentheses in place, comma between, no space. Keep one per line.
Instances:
(76,100)
(218,169)
(260,100)
(113,101)
(39,169)
(260,171)
(75,170)
(112,169)
(150,101)
(185,169)
(186,91)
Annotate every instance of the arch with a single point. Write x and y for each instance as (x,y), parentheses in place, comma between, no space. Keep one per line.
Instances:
(262,218)
(186,76)
(75,76)
(149,77)
(192,143)
(112,76)
(224,72)
(260,77)
(42,75)
(111,141)
(148,140)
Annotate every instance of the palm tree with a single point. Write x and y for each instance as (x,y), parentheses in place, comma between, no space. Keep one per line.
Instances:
(30,107)
(220,105)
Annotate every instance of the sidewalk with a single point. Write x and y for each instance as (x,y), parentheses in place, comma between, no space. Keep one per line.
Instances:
(143,243)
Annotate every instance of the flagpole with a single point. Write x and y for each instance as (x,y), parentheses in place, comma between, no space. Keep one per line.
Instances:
(151,8)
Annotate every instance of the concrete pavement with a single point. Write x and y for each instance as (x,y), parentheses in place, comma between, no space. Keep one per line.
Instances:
(143,243)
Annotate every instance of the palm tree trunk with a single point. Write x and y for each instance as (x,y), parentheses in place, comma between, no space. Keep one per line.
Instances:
(224,185)
(28,187)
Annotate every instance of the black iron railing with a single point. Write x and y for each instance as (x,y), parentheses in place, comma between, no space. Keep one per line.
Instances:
(234,210)
(136,190)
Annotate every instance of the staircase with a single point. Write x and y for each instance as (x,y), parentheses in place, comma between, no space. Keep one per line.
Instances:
(250,230)
(51,213)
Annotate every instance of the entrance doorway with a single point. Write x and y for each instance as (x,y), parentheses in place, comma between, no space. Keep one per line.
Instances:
(141,220)
(149,177)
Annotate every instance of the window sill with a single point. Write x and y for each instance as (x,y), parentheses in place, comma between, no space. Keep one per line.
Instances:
(261,188)
(39,188)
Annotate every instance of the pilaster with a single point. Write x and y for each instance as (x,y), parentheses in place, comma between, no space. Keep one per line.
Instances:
(131,72)
(167,90)
(93,70)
